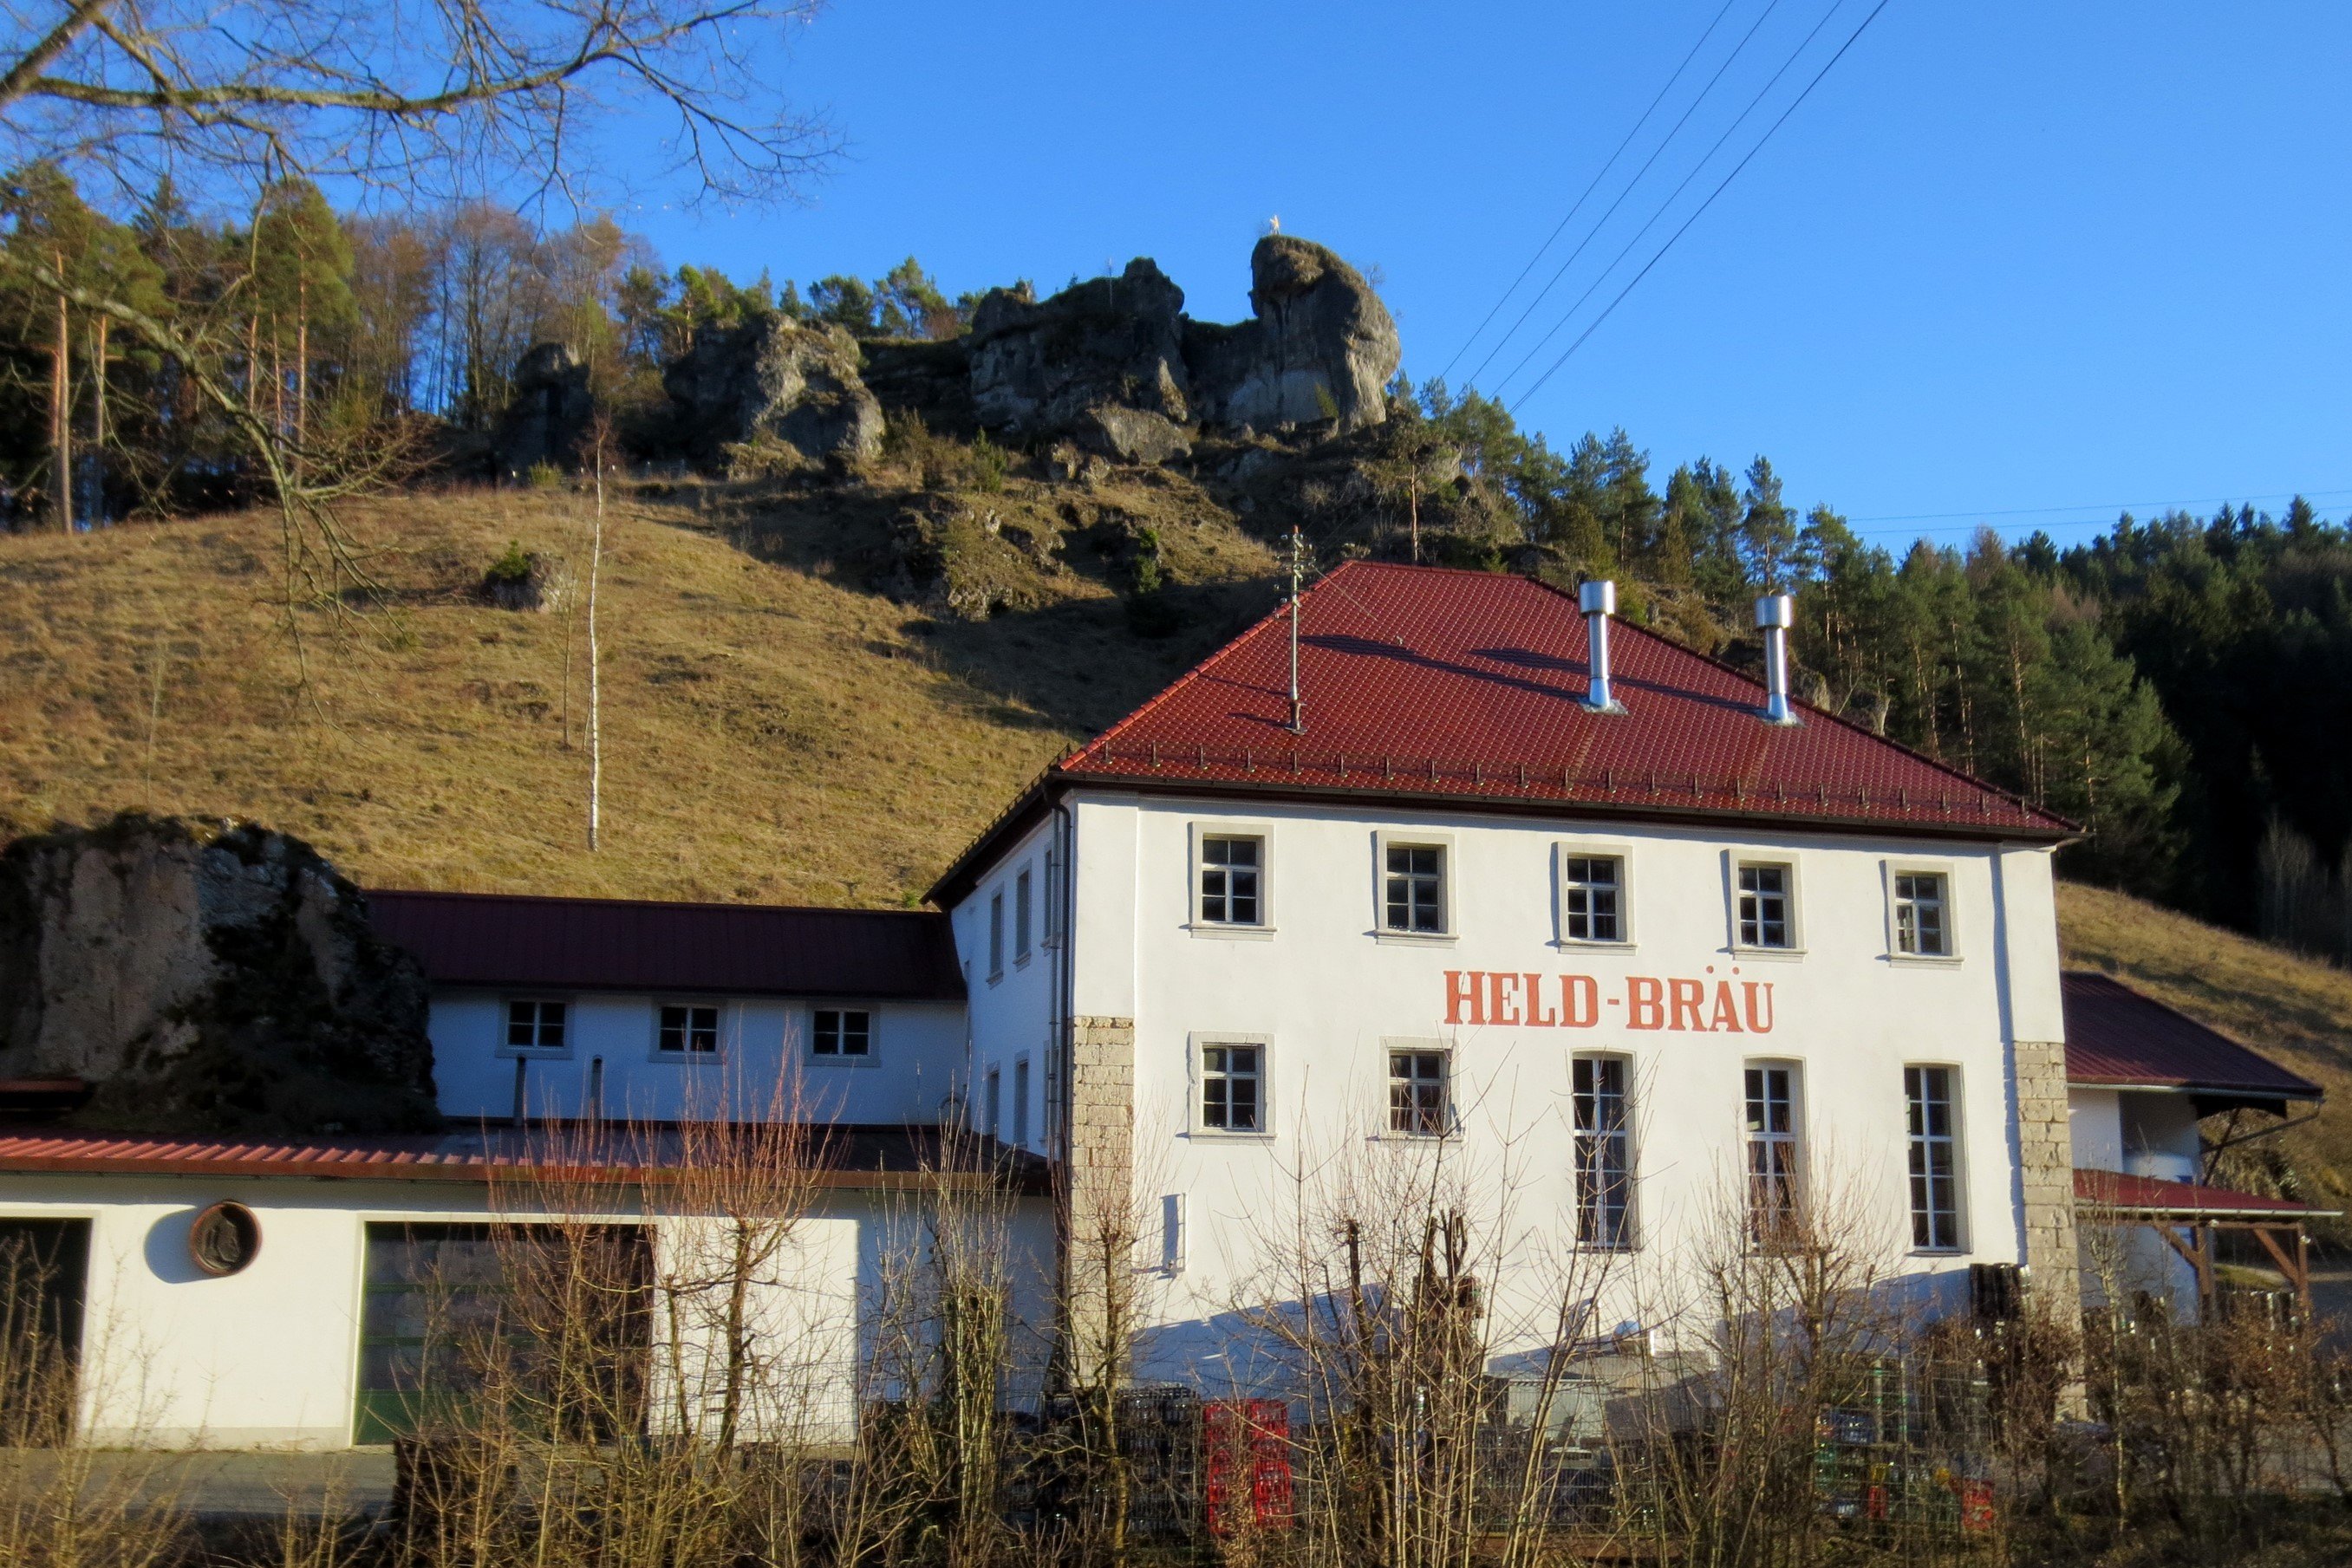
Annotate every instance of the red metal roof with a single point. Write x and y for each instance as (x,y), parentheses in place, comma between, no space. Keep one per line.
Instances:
(2145,1195)
(611,944)
(835,1155)
(2116,1036)
(1422,681)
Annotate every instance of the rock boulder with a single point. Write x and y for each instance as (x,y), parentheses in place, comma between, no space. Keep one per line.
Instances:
(774,380)
(550,413)
(206,978)
(1041,368)
(1320,352)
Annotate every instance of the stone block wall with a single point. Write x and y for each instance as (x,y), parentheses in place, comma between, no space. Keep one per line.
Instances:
(2045,1155)
(1098,1218)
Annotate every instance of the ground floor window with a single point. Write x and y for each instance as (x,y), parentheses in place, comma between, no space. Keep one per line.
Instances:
(1773,1166)
(1604,1152)
(1417,1093)
(541,1328)
(44,1270)
(1934,1159)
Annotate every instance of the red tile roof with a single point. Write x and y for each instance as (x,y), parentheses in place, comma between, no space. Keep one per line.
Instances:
(2116,1036)
(837,1155)
(1467,686)
(2145,1195)
(621,944)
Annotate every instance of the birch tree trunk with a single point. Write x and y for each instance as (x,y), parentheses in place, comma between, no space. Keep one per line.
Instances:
(595,691)
(61,412)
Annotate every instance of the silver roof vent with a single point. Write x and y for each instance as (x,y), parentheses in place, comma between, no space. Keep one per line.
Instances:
(1598,600)
(1775,613)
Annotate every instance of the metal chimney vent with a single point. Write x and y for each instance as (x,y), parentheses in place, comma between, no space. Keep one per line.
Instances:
(1598,600)
(1775,613)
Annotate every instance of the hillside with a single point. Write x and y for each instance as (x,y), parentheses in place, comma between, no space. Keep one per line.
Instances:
(775,729)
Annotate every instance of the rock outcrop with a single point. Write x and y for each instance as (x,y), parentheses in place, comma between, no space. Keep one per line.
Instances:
(1321,350)
(1041,368)
(206,978)
(773,381)
(550,413)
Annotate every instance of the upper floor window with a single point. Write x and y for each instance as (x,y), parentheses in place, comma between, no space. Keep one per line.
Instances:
(1591,898)
(1232,872)
(1934,1159)
(1773,1155)
(1232,1082)
(1604,1152)
(1023,913)
(1418,1092)
(1768,906)
(1414,888)
(1021,1101)
(689,1029)
(1921,929)
(843,1032)
(534,1025)
(996,935)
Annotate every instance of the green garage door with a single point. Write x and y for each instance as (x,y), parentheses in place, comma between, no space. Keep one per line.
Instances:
(540,1326)
(44,1270)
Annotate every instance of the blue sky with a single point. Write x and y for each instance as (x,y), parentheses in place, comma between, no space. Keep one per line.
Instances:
(2005,256)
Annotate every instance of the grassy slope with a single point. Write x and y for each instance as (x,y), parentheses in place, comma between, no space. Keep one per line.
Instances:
(2291,1009)
(773,732)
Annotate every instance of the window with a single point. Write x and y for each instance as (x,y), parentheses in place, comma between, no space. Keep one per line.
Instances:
(1604,1152)
(689,1031)
(1417,1091)
(535,1026)
(1021,1101)
(1416,888)
(1773,1153)
(996,935)
(1230,869)
(1934,1159)
(1592,892)
(1232,1079)
(995,1105)
(1766,904)
(842,1032)
(1920,930)
(1021,912)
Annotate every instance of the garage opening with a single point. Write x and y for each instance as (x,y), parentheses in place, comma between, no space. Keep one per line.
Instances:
(44,1278)
(535,1329)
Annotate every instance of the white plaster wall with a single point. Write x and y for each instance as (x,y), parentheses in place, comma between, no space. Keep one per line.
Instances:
(2096,1120)
(267,1358)
(764,1070)
(1326,991)
(1012,1012)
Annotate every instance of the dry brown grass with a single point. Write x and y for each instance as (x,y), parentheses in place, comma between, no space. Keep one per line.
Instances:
(2289,1008)
(774,731)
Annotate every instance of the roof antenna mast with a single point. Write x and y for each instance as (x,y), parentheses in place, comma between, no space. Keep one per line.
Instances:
(1298,709)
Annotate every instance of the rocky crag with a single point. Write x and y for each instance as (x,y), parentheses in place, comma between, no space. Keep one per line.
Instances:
(211,977)
(1112,366)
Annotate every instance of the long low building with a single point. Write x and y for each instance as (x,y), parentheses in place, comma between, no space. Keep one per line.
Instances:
(1439,920)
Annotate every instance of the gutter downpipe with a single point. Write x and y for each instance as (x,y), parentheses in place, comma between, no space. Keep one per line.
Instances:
(1062,1032)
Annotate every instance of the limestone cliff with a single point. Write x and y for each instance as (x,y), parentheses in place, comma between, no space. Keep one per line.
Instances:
(207,976)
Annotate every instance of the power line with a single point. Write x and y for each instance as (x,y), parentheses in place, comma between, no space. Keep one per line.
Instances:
(2117,507)
(1504,298)
(1851,38)
(1675,195)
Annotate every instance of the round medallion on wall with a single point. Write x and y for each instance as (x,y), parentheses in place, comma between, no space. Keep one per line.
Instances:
(224,1238)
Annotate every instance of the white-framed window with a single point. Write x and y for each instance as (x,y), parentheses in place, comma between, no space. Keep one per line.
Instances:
(992,1104)
(1021,1102)
(842,1034)
(1594,902)
(996,935)
(1413,891)
(1919,912)
(1604,1151)
(537,1026)
(1935,1172)
(1231,887)
(1764,906)
(685,1031)
(1775,1149)
(1023,913)
(1420,1089)
(1230,1078)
